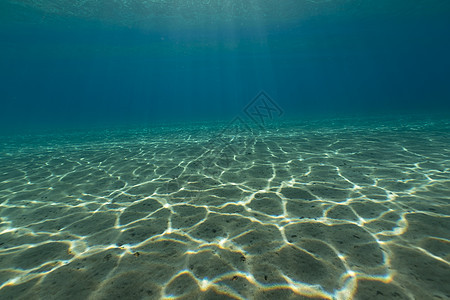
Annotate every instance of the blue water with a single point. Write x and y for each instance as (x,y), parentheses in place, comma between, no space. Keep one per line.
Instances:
(115,64)
(234,149)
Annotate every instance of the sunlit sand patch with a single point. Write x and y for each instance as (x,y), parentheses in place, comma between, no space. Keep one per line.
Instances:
(298,212)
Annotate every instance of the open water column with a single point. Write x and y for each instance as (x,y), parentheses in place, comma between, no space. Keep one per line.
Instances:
(224,149)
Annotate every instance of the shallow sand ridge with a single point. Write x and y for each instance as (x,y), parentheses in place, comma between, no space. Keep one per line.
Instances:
(296,211)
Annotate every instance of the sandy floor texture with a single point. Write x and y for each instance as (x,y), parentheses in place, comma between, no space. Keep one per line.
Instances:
(324,210)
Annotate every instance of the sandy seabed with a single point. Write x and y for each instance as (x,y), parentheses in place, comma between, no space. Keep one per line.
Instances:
(309,210)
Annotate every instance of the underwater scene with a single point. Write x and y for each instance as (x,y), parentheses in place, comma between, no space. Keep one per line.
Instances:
(225,149)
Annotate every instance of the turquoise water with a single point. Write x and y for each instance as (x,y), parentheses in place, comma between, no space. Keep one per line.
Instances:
(212,149)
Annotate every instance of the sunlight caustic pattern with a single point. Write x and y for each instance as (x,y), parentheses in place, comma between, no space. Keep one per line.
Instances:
(301,211)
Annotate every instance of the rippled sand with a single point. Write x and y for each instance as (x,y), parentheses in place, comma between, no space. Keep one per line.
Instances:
(323,210)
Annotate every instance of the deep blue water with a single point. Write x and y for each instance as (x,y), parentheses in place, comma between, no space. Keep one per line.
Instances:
(61,65)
